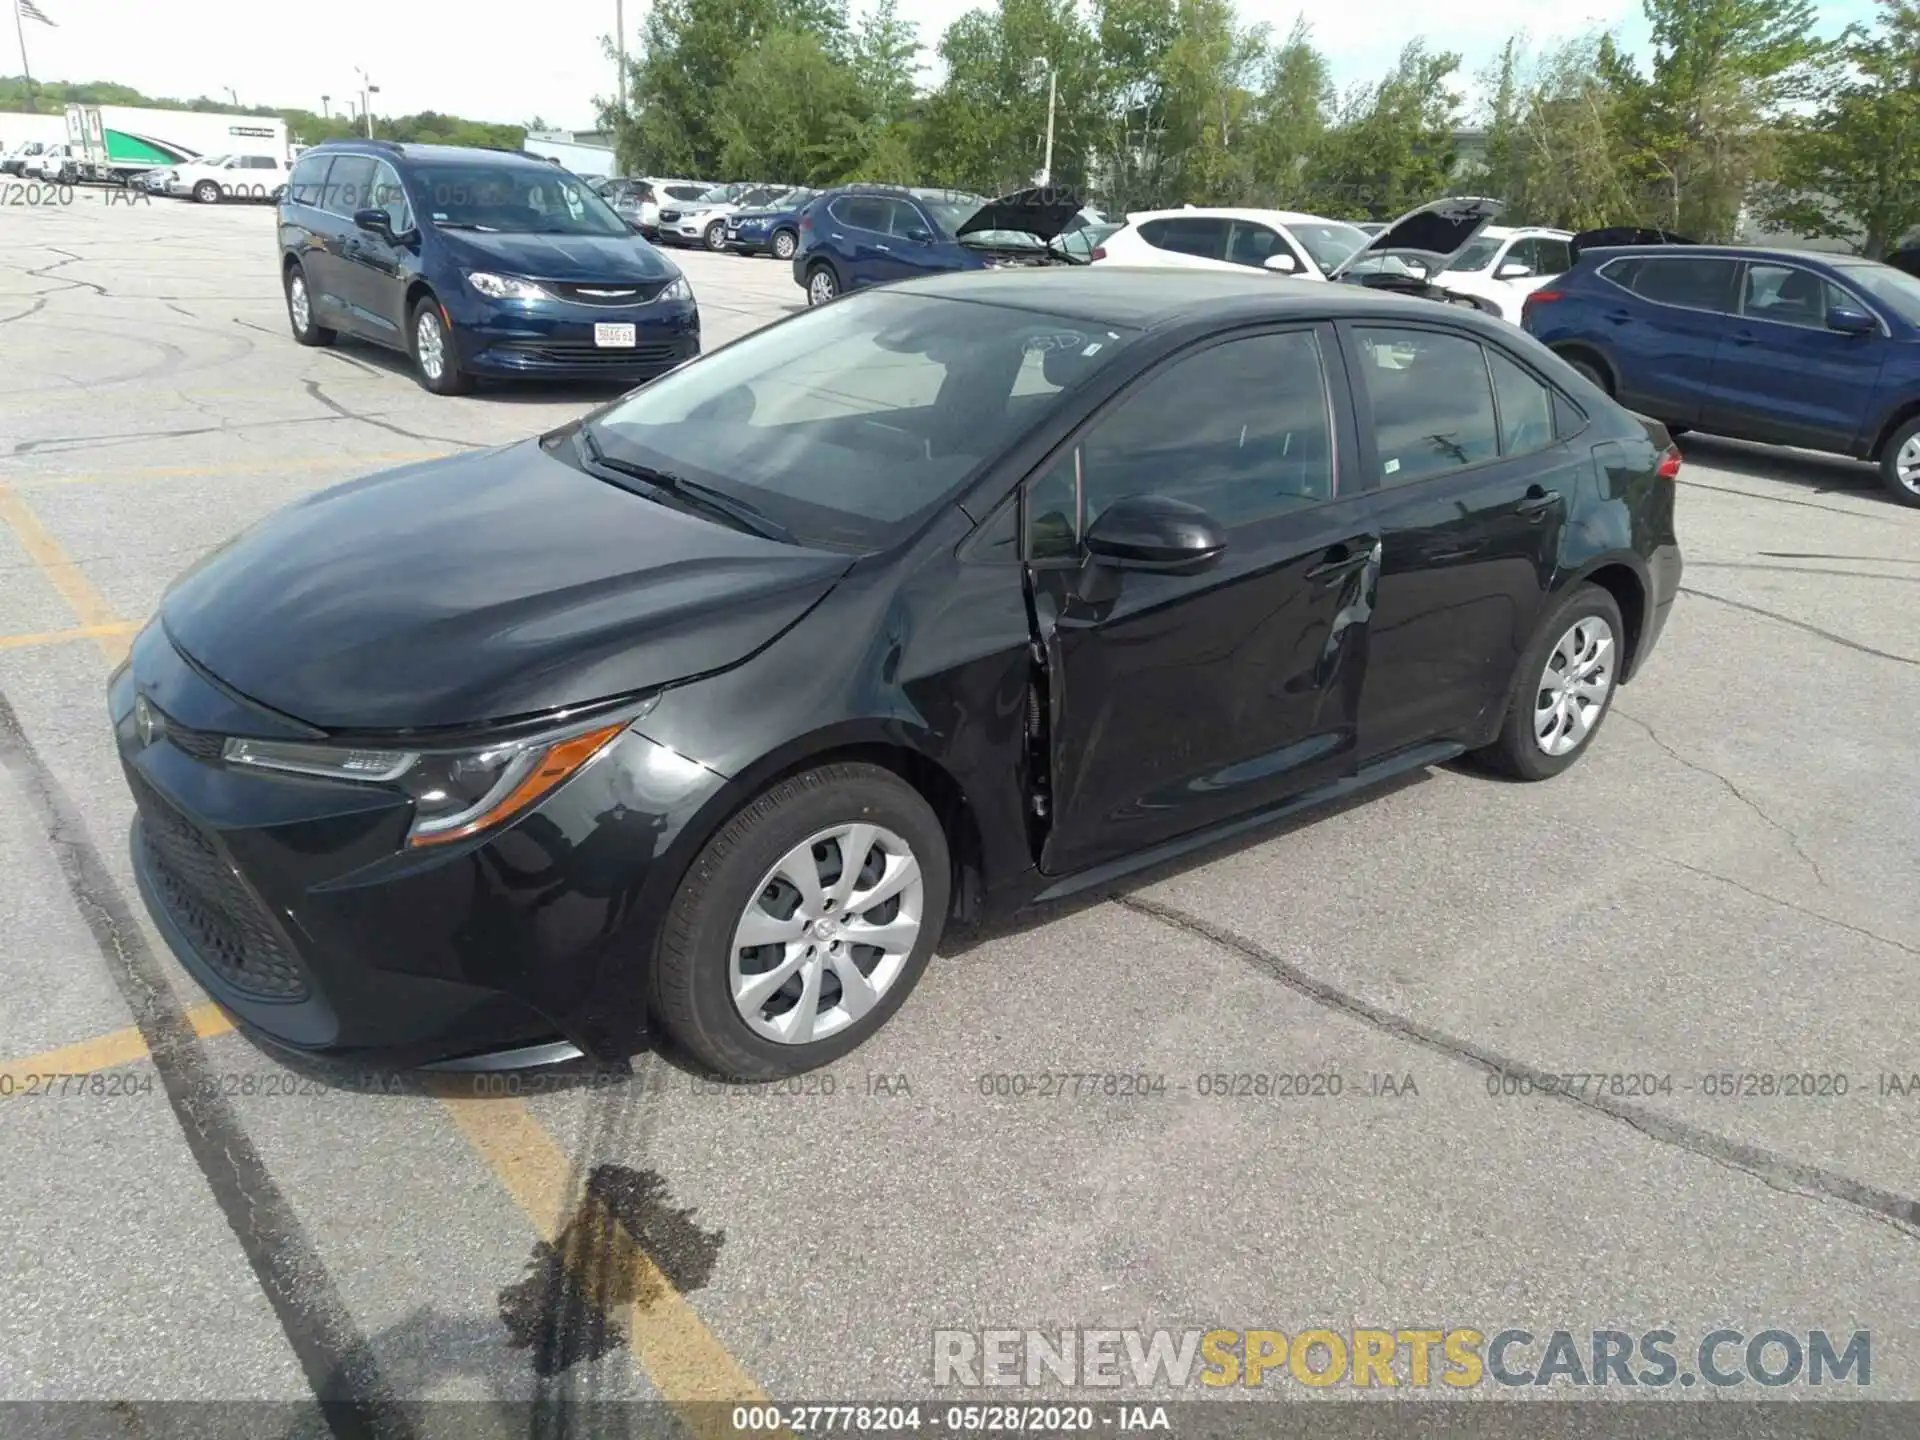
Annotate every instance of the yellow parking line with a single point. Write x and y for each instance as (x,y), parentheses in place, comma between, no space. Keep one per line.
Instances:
(105,1052)
(119,628)
(687,1364)
(238,467)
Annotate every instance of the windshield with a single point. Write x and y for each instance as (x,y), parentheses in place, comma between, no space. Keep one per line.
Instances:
(514,199)
(1477,255)
(848,424)
(1895,289)
(1328,243)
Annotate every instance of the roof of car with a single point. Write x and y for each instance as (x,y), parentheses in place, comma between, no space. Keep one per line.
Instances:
(1507,232)
(436,154)
(1223,212)
(1141,298)
(1603,253)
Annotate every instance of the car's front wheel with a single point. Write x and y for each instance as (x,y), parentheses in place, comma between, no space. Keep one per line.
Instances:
(804,924)
(822,283)
(207,193)
(715,236)
(436,358)
(300,310)
(785,242)
(1567,680)
(1900,463)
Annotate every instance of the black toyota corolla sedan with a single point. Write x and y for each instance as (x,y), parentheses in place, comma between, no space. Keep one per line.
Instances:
(709,712)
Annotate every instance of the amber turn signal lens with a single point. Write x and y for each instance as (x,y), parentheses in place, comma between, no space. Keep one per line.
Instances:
(561,759)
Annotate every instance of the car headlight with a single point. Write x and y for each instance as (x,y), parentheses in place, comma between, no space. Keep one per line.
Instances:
(504,287)
(677,289)
(456,793)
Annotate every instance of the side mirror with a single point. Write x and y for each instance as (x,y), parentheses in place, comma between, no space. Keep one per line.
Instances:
(1513,270)
(919,236)
(1283,263)
(1155,533)
(376,221)
(1849,321)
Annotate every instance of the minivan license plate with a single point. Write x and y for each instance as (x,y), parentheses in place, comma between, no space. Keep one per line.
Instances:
(609,337)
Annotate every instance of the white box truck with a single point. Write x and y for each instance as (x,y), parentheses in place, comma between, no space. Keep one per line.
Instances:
(589,162)
(118,142)
(22,136)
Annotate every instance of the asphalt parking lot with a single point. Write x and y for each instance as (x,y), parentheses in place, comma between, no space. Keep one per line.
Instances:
(1724,887)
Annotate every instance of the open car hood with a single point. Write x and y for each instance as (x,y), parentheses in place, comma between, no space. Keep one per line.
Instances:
(1434,232)
(1612,235)
(1040,212)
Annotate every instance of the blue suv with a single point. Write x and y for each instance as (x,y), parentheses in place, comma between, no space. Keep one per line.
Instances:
(476,262)
(861,235)
(1784,347)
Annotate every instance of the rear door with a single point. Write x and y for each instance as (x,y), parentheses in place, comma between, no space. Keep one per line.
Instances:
(1781,375)
(1177,702)
(1664,329)
(1471,483)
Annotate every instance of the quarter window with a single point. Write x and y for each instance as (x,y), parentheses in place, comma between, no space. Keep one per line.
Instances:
(1525,407)
(1197,235)
(1432,402)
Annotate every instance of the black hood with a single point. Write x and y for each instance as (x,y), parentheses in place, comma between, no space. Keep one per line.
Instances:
(1907,260)
(1434,232)
(1612,235)
(478,588)
(1042,212)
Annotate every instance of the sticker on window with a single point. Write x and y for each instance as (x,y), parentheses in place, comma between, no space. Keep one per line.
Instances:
(1391,466)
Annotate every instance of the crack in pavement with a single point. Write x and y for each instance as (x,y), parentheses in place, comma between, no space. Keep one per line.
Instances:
(1801,625)
(1803,570)
(1816,555)
(1776,1171)
(71,259)
(69,444)
(313,389)
(1797,908)
(1732,789)
(33,309)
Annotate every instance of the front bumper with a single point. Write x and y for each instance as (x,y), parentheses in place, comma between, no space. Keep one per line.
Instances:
(296,905)
(557,339)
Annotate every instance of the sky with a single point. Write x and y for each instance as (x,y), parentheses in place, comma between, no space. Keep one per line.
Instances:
(491,60)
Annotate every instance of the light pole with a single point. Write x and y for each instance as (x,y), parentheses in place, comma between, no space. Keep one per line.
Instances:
(620,49)
(367,87)
(325,114)
(1045,177)
(233,97)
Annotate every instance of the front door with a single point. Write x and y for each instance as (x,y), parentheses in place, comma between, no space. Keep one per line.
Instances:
(1473,485)
(376,278)
(1781,375)
(1180,701)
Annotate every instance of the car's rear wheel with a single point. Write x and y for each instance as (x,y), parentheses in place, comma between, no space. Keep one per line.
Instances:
(206,192)
(436,358)
(300,310)
(1567,680)
(785,242)
(1900,463)
(1591,372)
(715,235)
(822,283)
(804,924)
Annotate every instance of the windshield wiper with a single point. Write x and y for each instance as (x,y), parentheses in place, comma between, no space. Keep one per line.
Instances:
(463,225)
(741,515)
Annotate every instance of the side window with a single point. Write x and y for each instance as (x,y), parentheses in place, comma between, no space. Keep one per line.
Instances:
(1785,294)
(1555,257)
(1251,244)
(862,212)
(259,162)
(1520,252)
(1695,284)
(1432,402)
(905,218)
(308,180)
(1525,406)
(389,195)
(348,184)
(1567,419)
(1254,436)
(1198,235)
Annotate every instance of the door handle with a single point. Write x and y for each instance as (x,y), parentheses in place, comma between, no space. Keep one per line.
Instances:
(887,248)
(1538,501)
(1743,337)
(1340,562)
(1619,317)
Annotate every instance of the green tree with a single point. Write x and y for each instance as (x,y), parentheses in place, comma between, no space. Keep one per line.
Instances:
(791,112)
(1391,146)
(1852,170)
(1291,118)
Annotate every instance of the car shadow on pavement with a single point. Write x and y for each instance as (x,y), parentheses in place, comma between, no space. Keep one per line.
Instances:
(1821,474)
(378,360)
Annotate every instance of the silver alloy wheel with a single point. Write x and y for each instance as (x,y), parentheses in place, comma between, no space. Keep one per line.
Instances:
(1573,688)
(297,304)
(717,236)
(820,287)
(429,346)
(828,931)
(783,245)
(1906,465)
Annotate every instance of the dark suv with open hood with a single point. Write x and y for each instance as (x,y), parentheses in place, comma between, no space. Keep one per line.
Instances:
(862,235)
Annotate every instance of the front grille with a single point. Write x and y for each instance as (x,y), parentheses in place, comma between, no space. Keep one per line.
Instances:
(613,292)
(669,215)
(625,357)
(213,907)
(202,745)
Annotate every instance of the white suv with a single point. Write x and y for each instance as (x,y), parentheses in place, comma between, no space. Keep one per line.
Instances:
(213,178)
(1500,267)
(1307,246)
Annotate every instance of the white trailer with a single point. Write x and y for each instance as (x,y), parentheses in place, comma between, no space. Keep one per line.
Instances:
(119,142)
(589,162)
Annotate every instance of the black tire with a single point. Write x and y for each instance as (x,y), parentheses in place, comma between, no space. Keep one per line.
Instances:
(1591,372)
(785,242)
(207,193)
(1907,492)
(823,283)
(451,380)
(310,333)
(690,988)
(1516,752)
(715,236)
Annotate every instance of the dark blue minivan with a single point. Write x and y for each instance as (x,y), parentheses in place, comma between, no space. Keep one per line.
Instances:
(476,263)
(1779,346)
